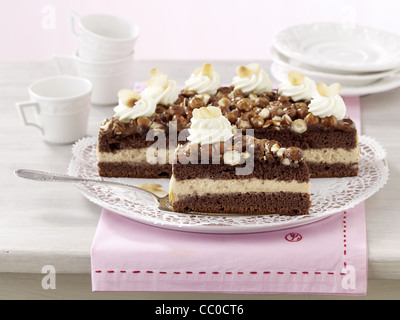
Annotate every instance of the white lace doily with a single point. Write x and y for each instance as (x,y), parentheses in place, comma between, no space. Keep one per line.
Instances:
(329,195)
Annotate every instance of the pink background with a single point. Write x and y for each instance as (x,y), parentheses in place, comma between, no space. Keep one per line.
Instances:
(182,29)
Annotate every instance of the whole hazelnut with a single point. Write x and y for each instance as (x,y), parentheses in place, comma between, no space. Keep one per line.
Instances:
(329,121)
(269,144)
(290,111)
(224,102)
(286,120)
(264,113)
(244,104)
(257,121)
(311,119)
(180,120)
(302,110)
(275,111)
(236,95)
(225,90)
(143,122)
(195,103)
(243,124)
(161,108)
(293,153)
(176,109)
(232,158)
(233,115)
(299,126)
(261,102)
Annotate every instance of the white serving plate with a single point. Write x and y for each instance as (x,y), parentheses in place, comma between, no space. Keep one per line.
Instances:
(340,47)
(345,79)
(329,195)
(280,72)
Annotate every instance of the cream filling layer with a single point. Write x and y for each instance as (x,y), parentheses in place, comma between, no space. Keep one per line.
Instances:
(162,156)
(142,155)
(201,187)
(330,156)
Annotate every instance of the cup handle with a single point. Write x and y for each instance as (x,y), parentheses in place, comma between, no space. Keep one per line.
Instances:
(21,109)
(73,17)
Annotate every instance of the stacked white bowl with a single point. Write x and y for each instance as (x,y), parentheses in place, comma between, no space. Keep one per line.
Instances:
(104,54)
(362,59)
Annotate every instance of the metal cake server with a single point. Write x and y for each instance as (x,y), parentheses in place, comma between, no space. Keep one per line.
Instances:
(163,202)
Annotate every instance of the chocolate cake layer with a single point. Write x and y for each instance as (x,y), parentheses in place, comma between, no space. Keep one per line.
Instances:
(316,137)
(325,170)
(282,203)
(126,136)
(134,170)
(260,170)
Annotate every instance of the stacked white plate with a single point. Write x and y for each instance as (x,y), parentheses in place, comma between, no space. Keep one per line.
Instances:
(363,60)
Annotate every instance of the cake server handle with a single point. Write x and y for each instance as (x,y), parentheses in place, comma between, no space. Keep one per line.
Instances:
(55,177)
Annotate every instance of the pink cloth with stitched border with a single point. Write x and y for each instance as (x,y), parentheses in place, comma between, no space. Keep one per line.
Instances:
(325,257)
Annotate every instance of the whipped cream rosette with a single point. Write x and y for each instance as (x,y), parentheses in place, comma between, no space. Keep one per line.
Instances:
(132,105)
(204,80)
(298,87)
(252,78)
(327,102)
(162,89)
(208,126)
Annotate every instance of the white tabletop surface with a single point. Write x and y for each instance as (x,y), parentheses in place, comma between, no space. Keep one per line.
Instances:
(53,224)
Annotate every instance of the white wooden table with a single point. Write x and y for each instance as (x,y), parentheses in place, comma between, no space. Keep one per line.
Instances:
(53,224)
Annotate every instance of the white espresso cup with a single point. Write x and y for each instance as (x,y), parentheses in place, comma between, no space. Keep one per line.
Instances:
(107,77)
(59,107)
(104,34)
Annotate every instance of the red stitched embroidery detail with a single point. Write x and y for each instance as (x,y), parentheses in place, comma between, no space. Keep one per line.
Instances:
(251,272)
(217,272)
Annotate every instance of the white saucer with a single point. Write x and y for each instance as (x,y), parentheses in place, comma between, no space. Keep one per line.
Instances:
(340,47)
(345,79)
(280,73)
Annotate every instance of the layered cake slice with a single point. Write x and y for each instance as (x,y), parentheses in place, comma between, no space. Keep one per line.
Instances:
(220,171)
(319,127)
(139,140)
(301,114)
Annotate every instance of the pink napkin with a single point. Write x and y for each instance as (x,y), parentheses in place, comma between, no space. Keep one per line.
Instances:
(325,257)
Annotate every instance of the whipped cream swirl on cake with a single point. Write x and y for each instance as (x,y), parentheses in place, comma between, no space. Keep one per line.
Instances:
(252,78)
(131,105)
(208,126)
(298,87)
(204,80)
(327,102)
(161,88)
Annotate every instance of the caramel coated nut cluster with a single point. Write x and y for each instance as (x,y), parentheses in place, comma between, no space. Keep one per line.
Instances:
(238,150)
(268,110)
